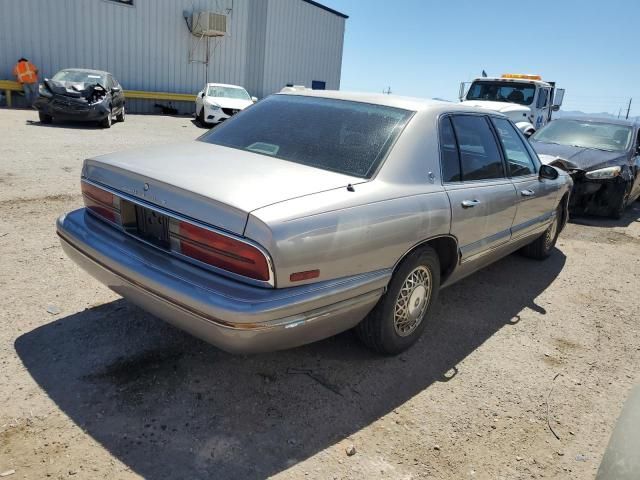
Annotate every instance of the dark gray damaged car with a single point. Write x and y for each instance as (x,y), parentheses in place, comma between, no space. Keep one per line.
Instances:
(602,156)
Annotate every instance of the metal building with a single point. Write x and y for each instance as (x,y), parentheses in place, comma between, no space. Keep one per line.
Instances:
(149,45)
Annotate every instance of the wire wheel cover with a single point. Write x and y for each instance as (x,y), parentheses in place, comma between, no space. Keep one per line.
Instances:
(412,301)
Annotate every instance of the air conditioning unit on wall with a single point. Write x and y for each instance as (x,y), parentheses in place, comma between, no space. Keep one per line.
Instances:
(208,24)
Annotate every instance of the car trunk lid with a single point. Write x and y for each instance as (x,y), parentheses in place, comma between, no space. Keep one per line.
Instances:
(213,184)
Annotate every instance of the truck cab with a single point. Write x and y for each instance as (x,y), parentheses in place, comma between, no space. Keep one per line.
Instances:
(526,99)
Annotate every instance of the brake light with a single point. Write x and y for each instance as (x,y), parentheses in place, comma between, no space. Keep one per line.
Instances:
(101,202)
(219,251)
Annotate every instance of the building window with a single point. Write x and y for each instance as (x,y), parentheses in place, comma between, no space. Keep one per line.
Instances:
(318,85)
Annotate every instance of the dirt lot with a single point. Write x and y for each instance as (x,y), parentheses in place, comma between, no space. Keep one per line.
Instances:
(92,387)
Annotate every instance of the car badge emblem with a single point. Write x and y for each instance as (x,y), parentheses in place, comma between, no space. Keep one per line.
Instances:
(146,187)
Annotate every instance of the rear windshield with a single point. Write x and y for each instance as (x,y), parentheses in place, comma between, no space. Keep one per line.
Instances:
(337,135)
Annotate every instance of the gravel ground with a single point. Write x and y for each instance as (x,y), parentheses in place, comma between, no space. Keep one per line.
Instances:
(92,387)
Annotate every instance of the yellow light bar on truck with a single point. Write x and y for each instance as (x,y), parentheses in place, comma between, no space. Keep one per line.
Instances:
(521,76)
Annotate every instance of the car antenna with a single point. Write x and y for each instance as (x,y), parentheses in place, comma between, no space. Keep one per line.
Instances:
(350,188)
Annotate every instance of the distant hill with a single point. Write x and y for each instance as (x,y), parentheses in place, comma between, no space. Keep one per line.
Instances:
(578,113)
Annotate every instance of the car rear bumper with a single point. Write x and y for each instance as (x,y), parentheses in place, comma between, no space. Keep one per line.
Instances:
(229,314)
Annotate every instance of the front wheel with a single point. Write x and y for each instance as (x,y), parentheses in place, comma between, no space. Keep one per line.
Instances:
(617,211)
(541,247)
(399,317)
(44,118)
(120,116)
(106,123)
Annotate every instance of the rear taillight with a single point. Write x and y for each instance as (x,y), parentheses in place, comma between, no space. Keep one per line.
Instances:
(101,202)
(219,251)
(185,238)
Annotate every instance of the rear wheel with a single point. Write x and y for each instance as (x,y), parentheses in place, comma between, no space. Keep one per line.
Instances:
(399,317)
(120,116)
(542,246)
(44,118)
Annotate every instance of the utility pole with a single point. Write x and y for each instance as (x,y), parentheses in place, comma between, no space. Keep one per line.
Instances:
(387,91)
(619,112)
(629,108)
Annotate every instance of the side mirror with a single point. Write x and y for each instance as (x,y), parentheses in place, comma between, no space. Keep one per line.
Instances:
(201,94)
(548,172)
(254,99)
(558,97)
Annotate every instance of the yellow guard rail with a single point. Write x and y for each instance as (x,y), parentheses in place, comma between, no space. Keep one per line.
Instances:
(10,86)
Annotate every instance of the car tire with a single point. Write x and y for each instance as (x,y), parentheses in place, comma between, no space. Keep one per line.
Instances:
(121,115)
(44,118)
(106,123)
(542,246)
(617,211)
(201,118)
(400,316)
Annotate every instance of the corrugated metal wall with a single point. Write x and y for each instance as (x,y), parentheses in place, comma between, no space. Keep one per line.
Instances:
(302,45)
(146,46)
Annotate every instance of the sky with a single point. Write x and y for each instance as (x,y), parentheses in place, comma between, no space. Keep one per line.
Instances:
(425,48)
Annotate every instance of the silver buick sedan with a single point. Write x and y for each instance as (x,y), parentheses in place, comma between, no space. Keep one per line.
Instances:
(314,212)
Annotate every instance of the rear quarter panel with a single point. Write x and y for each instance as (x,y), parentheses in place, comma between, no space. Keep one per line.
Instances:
(343,233)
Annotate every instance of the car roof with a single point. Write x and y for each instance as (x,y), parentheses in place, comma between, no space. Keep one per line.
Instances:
(86,70)
(224,85)
(610,121)
(397,101)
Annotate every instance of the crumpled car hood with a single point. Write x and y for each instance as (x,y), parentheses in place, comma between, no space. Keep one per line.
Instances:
(72,90)
(583,158)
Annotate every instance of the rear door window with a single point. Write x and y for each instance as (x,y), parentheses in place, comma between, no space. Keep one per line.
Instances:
(519,162)
(449,155)
(480,157)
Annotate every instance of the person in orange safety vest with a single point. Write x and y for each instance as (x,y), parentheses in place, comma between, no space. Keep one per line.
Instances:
(26,74)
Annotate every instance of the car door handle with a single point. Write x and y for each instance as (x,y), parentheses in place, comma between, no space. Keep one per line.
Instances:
(470,203)
(527,193)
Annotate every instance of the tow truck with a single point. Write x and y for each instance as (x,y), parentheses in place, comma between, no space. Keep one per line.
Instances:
(526,99)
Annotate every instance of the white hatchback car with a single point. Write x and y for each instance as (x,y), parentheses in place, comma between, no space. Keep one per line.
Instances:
(217,102)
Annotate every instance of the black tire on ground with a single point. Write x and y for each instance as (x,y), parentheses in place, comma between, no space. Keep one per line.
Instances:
(409,296)
(121,115)
(106,123)
(201,118)
(542,246)
(44,118)
(617,211)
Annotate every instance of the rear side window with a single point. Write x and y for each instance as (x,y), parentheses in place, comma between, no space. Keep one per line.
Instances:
(479,154)
(338,135)
(519,161)
(449,155)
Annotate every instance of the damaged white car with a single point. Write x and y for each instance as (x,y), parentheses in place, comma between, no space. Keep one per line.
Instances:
(217,102)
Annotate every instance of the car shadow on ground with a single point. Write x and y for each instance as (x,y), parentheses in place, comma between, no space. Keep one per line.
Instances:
(197,123)
(68,124)
(631,215)
(170,406)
